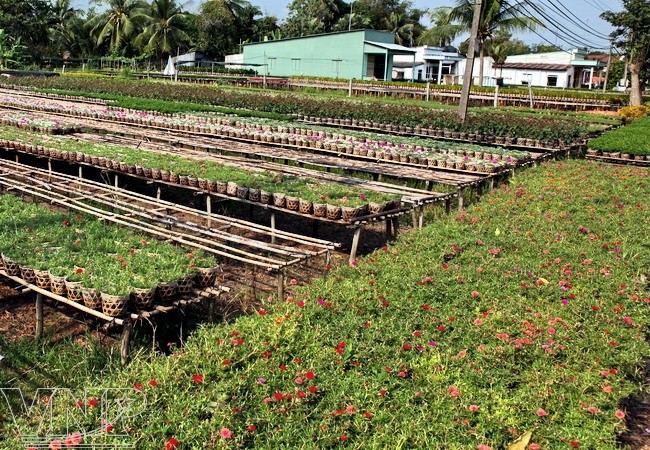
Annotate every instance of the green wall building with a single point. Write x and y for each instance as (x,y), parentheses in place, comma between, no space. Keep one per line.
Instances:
(358,54)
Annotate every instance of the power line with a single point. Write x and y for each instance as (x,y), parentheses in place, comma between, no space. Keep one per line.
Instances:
(586,27)
(558,30)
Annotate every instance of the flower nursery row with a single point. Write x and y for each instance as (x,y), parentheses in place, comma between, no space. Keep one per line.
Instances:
(309,196)
(426,152)
(521,316)
(486,124)
(92,262)
(39,124)
(627,142)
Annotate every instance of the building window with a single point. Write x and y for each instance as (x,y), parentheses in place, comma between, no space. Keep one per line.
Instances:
(551,80)
(271,63)
(295,63)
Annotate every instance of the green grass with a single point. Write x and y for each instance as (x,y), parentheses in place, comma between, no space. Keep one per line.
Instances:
(526,312)
(633,139)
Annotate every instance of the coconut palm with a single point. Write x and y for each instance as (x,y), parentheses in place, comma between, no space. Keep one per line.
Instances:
(167,27)
(495,15)
(401,26)
(443,31)
(119,23)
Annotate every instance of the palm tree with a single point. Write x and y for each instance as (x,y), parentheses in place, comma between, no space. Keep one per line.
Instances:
(401,26)
(66,33)
(119,23)
(443,31)
(495,15)
(167,27)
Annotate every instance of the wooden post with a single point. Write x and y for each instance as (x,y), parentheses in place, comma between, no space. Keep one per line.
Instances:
(389,231)
(158,192)
(355,244)
(280,286)
(125,341)
(395,221)
(421,217)
(272,227)
(208,207)
(491,183)
(460,198)
(39,316)
(81,171)
(49,170)
(117,180)
(448,206)
(17,158)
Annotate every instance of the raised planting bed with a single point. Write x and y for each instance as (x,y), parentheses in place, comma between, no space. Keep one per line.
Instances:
(628,143)
(309,196)
(487,124)
(88,261)
(424,152)
(38,124)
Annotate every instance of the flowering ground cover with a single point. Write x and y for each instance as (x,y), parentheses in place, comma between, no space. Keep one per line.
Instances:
(521,316)
(42,125)
(496,124)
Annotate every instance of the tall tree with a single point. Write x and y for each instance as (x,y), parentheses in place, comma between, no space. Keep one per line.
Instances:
(166,28)
(219,26)
(401,26)
(495,15)
(312,17)
(67,33)
(633,35)
(443,29)
(29,21)
(119,24)
(12,51)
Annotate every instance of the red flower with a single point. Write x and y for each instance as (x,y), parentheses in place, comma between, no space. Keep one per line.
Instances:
(475,294)
(108,428)
(171,444)
(138,386)
(426,307)
(278,396)
(575,444)
(198,378)
(406,347)
(541,412)
(226,433)
(619,414)
(80,270)
(350,409)
(153,383)
(251,428)
(226,362)
(92,402)
(262,312)
(301,394)
(367,414)
(310,375)
(73,439)
(344,438)
(313,389)
(55,445)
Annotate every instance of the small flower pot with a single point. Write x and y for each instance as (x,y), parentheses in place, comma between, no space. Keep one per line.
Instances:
(143,298)
(242,192)
(320,209)
(28,274)
(114,305)
(206,277)
(92,298)
(254,195)
(305,206)
(279,199)
(57,285)
(265,197)
(186,285)
(42,278)
(167,291)
(231,189)
(293,203)
(333,212)
(73,290)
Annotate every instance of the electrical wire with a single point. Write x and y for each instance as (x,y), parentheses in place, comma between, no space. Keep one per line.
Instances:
(582,25)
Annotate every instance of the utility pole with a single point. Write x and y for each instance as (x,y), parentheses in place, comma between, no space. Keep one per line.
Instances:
(609,62)
(469,65)
(350,17)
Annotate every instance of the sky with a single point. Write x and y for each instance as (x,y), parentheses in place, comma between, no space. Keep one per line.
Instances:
(591,32)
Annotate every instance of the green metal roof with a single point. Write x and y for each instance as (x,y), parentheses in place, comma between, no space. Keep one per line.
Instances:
(393,48)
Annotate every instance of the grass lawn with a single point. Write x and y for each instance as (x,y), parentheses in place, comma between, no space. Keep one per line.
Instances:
(523,314)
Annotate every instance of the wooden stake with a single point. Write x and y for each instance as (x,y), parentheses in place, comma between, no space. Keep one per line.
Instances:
(272,227)
(208,208)
(280,285)
(448,206)
(116,181)
(395,221)
(125,342)
(421,217)
(39,316)
(460,199)
(158,192)
(355,244)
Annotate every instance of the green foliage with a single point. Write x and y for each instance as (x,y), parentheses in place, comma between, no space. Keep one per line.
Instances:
(632,139)
(524,313)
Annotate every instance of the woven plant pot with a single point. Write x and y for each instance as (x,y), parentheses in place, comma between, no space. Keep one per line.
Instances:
(375,208)
(231,188)
(42,279)
(305,206)
(87,158)
(143,298)
(279,199)
(182,180)
(212,186)
(203,184)
(28,274)
(73,289)
(206,276)
(155,173)
(164,175)
(11,267)
(333,212)
(293,203)
(192,181)
(186,285)
(222,187)
(254,194)
(57,285)
(242,192)
(320,209)
(167,291)
(265,197)
(350,213)
(92,298)
(138,170)
(173,177)
(147,172)
(114,305)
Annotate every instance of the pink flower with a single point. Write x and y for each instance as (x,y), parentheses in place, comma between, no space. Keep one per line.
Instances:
(534,447)
(475,294)
(483,447)
(550,330)
(55,445)
(73,439)
(478,322)
(226,433)
(619,414)
(592,409)
(474,408)
(541,412)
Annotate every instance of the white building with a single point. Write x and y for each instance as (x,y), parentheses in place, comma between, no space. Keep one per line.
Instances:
(563,69)
(435,64)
